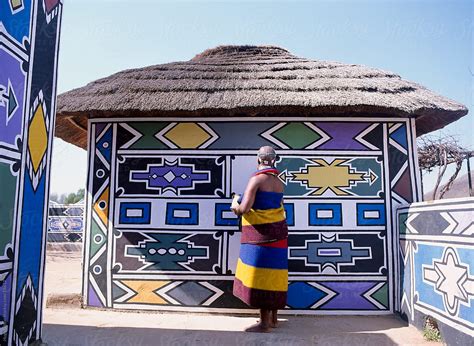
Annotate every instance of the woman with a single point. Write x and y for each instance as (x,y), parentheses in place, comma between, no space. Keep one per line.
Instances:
(261,277)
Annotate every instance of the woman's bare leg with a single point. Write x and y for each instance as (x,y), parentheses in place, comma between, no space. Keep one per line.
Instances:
(263,326)
(274,314)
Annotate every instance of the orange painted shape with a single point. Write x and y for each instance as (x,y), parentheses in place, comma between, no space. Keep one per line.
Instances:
(103,201)
(145,290)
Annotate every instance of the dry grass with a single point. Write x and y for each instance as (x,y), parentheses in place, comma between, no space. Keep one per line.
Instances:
(431,331)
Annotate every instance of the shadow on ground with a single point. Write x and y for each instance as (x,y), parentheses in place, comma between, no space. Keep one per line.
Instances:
(381,330)
(87,335)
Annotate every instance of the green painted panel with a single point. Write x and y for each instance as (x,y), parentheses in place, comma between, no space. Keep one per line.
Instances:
(148,140)
(296,135)
(7,204)
(98,239)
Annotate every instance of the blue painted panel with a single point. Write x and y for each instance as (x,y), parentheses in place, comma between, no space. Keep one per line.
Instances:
(32,223)
(17,22)
(363,220)
(466,257)
(104,145)
(335,209)
(143,218)
(400,136)
(224,221)
(290,213)
(173,217)
(424,257)
(302,295)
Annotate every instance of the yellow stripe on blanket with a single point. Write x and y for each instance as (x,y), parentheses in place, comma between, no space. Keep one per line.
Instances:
(262,278)
(258,217)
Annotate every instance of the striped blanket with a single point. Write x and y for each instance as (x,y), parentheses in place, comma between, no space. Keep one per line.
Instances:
(261,278)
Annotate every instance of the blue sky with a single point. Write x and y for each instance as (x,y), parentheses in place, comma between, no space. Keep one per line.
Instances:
(428,42)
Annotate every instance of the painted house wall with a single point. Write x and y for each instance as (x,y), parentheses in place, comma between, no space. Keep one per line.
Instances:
(437,266)
(29,38)
(160,234)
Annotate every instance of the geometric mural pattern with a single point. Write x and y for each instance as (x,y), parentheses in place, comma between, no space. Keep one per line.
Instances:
(437,265)
(329,253)
(29,37)
(160,233)
(99,200)
(65,223)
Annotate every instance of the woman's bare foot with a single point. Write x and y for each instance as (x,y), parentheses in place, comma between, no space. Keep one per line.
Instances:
(258,328)
(263,326)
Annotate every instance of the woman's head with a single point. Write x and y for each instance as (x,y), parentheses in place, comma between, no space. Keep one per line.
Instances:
(266,156)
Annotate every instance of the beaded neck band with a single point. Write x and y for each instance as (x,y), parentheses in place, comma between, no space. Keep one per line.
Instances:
(269,170)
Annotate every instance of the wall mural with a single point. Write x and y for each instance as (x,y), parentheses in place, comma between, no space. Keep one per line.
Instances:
(160,234)
(29,37)
(437,265)
(65,223)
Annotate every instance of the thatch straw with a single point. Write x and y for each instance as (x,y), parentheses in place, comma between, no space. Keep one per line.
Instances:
(251,81)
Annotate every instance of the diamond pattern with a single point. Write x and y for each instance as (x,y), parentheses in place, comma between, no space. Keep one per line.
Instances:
(190,293)
(169,176)
(187,135)
(428,222)
(37,138)
(24,324)
(37,142)
(296,135)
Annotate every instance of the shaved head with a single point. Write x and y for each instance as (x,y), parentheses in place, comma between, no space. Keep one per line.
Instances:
(266,156)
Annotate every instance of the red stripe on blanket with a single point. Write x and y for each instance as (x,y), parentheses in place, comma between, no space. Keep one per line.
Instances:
(259,299)
(263,233)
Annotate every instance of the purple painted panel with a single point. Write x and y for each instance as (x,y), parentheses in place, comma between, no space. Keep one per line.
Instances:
(12,85)
(5,298)
(93,299)
(349,296)
(342,135)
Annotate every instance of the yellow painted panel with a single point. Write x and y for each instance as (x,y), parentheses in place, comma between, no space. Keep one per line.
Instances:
(146,291)
(188,135)
(334,176)
(37,138)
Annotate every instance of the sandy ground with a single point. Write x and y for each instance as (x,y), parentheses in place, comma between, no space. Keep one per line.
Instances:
(63,272)
(65,323)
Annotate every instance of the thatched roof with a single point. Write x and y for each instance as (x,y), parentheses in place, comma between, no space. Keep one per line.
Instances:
(251,81)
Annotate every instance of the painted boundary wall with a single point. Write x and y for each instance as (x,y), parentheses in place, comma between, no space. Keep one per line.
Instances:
(66,223)
(29,39)
(436,251)
(160,235)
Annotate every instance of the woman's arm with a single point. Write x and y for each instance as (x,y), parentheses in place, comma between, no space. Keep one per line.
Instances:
(249,196)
